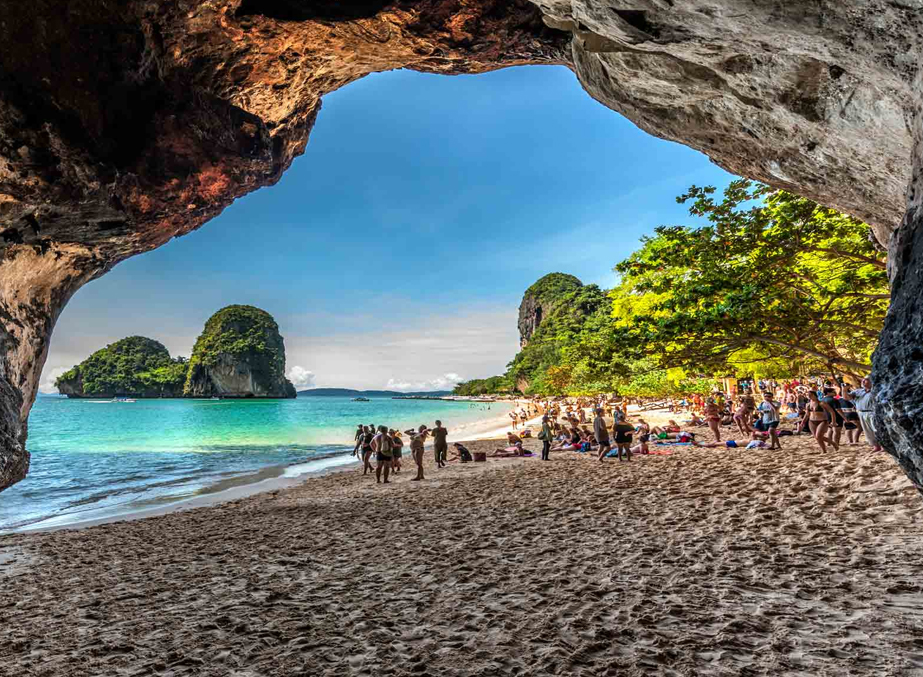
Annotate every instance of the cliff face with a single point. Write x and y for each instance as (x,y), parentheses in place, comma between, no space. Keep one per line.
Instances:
(239,354)
(124,124)
(540,300)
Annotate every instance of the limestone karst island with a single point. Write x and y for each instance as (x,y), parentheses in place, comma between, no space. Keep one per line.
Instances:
(239,354)
(462,338)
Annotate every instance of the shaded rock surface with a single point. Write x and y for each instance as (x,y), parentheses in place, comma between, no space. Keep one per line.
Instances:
(124,124)
(239,354)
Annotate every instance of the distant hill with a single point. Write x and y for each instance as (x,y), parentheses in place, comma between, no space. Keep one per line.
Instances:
(347,392)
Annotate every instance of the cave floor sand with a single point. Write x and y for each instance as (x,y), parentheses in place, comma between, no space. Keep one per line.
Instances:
(702,562)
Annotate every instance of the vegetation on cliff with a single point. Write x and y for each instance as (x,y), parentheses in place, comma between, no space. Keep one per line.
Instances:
(772,286)
(132,366)
(245,335)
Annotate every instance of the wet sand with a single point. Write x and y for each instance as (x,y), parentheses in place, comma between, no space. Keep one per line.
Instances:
(699,562)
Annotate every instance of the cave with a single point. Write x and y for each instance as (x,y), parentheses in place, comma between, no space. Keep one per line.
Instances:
(123,125)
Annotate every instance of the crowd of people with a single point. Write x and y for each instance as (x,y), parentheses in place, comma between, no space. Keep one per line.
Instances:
(760,412)
(823,408)
(387,446)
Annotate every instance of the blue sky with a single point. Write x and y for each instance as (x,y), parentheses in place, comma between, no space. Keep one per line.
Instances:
(397,248)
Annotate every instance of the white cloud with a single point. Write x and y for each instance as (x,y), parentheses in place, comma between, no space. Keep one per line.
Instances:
(444,382)
(46,385)
(301,377)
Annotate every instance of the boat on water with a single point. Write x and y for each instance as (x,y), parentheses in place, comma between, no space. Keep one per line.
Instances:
(361,399)
(121,400)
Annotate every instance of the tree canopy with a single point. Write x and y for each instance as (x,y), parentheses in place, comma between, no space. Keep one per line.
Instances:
(773,276)
(772,285)
(130,366)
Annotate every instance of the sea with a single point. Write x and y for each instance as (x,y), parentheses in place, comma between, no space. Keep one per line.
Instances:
(95,459)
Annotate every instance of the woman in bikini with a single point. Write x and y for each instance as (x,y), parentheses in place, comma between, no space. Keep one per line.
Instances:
(818,415)
(742,417)
(712,417)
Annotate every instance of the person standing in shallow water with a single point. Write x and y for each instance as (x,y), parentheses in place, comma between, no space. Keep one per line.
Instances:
(440,444)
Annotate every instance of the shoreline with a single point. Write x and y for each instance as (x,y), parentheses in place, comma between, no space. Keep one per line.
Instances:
(268,479)
(706,561)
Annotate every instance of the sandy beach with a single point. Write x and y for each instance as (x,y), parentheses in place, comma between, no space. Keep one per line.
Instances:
(695,562)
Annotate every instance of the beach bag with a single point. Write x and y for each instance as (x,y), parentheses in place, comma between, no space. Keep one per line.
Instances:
(542,436)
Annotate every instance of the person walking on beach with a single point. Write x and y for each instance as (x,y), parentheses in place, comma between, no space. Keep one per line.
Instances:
(417,438)
(602,434)
(359,434)
(864,404)
(440,445)
(383,448)
(545,436)
(818,414)
(770,420)
(367,437)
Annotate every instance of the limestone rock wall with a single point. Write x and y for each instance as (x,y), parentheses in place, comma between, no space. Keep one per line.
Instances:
(126,123)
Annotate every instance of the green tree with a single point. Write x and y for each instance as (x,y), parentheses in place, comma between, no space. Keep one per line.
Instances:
(771,270)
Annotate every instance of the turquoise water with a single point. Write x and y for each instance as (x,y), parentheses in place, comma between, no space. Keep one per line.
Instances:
(94,455)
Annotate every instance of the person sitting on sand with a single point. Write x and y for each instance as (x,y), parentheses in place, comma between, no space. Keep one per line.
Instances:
(694,420)
(462,453)
(514,450)
(382,446)
(669,429)
(513,438)
(417,439)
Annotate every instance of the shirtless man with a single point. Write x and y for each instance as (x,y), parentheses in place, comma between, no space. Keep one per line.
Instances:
(417,438)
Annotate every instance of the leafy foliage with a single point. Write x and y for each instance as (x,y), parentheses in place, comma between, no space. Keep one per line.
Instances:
(785,279)
(130,366)
(573,312)
(774,285)
(484,386)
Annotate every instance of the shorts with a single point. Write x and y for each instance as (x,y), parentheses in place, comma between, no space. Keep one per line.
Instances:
(759,425)
(381,458)
(623,439)
(398,453)
(850,425)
